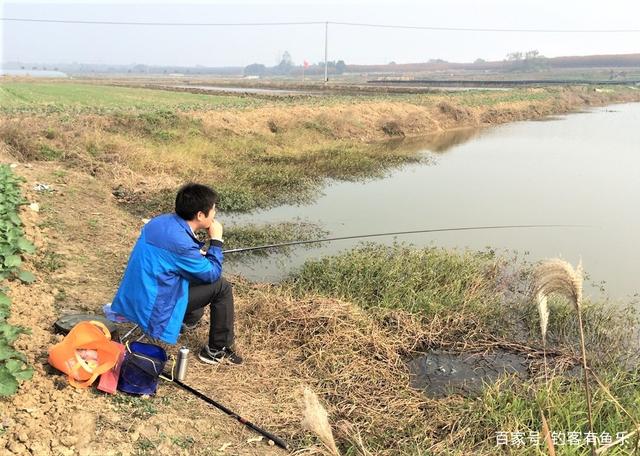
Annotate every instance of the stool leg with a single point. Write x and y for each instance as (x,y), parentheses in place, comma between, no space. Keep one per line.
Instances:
(126,336)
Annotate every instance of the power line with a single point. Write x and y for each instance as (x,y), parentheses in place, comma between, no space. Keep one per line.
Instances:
(351,24)
(471,29)
(163,24)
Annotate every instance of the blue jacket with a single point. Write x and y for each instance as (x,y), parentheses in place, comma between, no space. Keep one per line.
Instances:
(155,288)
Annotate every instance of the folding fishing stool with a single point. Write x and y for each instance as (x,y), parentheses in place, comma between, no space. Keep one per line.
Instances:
(119,319)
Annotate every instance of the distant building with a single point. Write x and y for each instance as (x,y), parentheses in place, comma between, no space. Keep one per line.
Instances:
(34,73)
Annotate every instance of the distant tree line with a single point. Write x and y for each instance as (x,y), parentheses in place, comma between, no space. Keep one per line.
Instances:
(514,61)
(529,61)
(286,67)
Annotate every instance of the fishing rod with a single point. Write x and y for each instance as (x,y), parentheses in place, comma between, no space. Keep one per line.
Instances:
(397,233)
(275,439)
(168,376)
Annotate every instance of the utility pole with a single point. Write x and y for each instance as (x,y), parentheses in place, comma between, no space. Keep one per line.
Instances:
(326,48)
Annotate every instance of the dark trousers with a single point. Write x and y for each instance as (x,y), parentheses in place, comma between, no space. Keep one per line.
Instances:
(220,295)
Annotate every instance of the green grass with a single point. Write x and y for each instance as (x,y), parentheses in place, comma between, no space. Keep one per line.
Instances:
(255,235)
(425,281)
(266,176)
(69,97)
(609,329)
(72,97)
(512,406)
(161,126)
(438,282)
(486,98)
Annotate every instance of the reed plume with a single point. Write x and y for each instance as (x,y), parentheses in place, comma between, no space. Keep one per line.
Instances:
(557,276)
(316,421)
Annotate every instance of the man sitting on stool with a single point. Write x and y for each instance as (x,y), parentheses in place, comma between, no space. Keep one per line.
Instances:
(170,278)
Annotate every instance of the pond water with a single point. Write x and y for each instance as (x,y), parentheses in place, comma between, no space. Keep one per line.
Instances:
(581,169)
(440,373)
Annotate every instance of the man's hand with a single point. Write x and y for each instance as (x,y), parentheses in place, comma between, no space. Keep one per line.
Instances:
(215,230)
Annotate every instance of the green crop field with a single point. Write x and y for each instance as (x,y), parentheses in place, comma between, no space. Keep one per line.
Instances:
(53,97)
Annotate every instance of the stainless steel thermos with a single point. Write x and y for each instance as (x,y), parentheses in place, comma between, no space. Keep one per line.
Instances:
(181,364)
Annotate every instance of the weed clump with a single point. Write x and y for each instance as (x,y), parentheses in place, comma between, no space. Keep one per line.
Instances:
(146,204)
(455,112)
(255,235)
(427,281)
(273,126)
(234,198)
(392,128)
(319,127)
(50,133)
(48,153)
(21,143)
(49,261)
(160,125)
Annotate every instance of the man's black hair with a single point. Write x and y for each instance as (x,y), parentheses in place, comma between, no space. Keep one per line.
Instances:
(192,198)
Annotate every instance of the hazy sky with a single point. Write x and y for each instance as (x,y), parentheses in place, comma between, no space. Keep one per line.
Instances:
(239,46)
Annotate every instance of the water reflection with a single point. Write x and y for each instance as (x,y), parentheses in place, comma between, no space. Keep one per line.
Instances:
(437,143)
(583,169)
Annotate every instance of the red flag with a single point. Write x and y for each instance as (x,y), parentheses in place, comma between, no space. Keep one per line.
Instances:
(306,64)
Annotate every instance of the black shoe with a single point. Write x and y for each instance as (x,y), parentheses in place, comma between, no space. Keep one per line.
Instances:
(215,356)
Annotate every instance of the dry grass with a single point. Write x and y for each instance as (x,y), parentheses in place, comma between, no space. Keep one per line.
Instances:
(352,359)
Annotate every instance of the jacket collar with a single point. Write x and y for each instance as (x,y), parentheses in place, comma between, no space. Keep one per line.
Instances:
(183,223)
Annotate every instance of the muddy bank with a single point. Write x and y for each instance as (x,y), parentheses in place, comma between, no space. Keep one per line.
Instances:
(49,417)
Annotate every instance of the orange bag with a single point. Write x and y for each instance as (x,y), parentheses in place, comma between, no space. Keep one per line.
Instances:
(86,335)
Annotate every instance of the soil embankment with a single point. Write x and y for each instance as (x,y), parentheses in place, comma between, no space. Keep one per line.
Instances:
(376,120)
